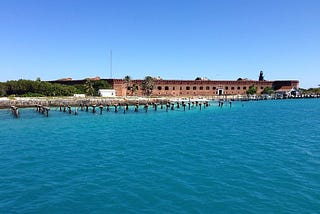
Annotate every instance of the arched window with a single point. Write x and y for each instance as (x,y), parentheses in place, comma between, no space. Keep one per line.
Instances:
(159,88)
(207,88)
(194,88)
(214,88)
(201,88)
(188,88)
(166,88)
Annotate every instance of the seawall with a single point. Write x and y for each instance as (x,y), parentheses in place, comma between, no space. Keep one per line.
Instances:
(72,101)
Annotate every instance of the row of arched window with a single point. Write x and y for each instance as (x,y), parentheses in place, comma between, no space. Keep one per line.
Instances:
(166,88)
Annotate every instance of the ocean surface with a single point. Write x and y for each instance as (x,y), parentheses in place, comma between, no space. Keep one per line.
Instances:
(255,157)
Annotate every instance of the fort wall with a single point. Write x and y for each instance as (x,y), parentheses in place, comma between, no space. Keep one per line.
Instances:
(199,87)
(191,87)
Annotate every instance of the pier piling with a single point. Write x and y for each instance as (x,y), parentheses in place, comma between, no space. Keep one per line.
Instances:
(146,107)
(43,110)
(15,111)
(101,108)
(46,110)
(94,109)
(116,108)
(184,105)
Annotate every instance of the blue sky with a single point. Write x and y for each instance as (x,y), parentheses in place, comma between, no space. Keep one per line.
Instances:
(168,38)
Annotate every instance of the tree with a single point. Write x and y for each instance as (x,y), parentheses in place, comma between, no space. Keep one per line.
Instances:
(127,80)
(147,85)
(88,87)
(28,88)
(267,90)
(252,90)
(133,89)
(3,89)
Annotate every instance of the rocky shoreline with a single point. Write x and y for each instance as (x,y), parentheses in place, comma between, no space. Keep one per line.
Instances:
(75,101)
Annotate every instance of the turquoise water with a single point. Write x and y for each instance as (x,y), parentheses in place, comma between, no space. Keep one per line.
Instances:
(256,157)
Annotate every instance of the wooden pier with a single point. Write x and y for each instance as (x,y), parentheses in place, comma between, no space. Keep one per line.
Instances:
(124,107)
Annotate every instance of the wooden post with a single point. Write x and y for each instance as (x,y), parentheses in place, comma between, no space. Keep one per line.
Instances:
(146,107)
(116,108)
(15,111)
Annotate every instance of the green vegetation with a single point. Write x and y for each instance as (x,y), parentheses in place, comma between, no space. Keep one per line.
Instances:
(267,90)
(133,89)
(252,90)
(88,87)
(38,88)
(148,85)
(307,91)
(127,80)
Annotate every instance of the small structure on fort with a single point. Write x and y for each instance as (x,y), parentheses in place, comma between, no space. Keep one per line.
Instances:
(261,77)
(107,92)
(79,95)
(287,91)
